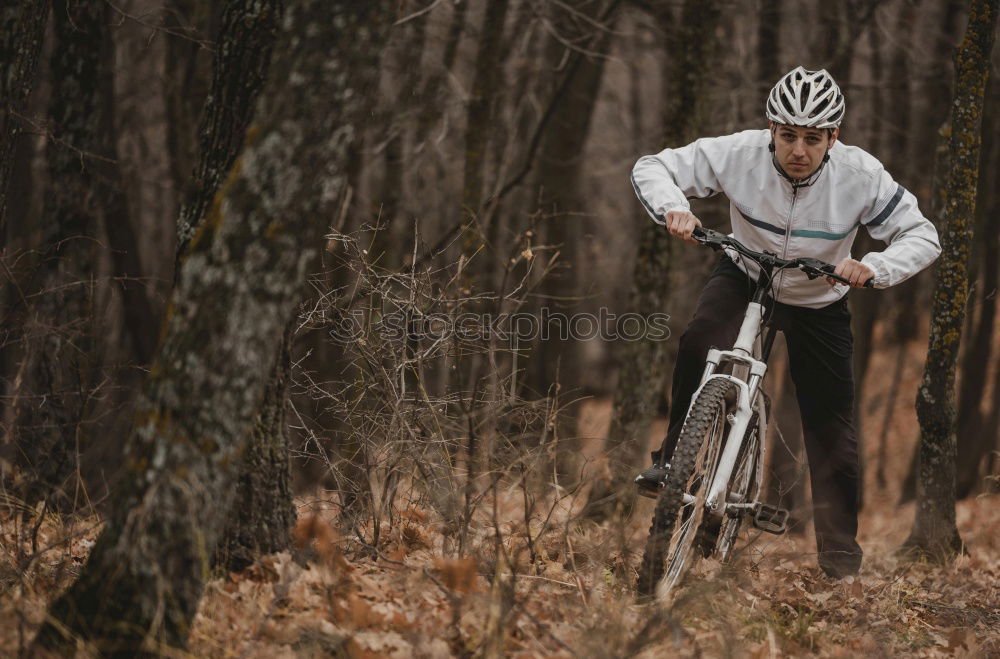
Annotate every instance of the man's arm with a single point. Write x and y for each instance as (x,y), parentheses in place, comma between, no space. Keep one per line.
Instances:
(665,181)
(911,238)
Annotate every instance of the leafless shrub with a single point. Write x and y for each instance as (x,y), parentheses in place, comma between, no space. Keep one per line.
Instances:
(426,405)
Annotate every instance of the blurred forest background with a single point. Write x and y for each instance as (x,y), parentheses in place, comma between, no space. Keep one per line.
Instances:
(427,166)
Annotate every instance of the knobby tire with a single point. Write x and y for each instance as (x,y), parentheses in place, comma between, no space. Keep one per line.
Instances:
(703,415)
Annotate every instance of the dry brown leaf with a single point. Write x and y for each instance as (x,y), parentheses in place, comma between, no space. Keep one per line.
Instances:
(957,638)
(458,574)
(314,537)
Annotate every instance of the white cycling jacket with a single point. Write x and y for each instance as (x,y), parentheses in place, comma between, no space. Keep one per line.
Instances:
(819,220)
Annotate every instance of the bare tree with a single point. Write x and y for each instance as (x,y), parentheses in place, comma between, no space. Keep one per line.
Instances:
(82,189)
(193,27)
(22,27)
(934,532)
(140,589)
(558,181)
(642,371)
(479,114)
(404,73)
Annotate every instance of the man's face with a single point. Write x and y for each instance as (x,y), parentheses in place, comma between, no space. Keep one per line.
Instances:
(800,150)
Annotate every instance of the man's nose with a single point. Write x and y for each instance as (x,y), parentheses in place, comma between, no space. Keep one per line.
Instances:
(799,148)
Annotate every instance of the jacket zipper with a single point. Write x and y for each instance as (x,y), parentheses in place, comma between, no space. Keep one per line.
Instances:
(788,234)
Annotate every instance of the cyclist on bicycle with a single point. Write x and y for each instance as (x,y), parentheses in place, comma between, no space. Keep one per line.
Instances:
(797,191)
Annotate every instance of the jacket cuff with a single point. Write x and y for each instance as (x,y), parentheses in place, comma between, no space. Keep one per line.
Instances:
(673,206)
(874,261)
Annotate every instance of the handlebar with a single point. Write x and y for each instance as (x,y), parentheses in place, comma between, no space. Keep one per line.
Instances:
(812,267)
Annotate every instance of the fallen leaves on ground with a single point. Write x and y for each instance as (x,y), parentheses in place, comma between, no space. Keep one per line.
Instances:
(572,594)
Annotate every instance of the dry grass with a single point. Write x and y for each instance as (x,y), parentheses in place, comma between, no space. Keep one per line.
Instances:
(576,599)
(534,580)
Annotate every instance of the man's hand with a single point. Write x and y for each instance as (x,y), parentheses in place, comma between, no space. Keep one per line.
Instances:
(681,224)
(854,271)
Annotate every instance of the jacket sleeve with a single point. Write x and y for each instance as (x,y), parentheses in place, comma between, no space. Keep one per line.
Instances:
(665,181)
(896,220)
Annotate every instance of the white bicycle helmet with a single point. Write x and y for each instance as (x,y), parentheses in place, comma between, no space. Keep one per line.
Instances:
(806,98)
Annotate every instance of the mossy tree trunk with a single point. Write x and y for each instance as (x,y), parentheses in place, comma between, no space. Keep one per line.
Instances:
(261,521)
(248,29)
(975,436)
(237,288)
(242,57)
(934,534)
(642,363)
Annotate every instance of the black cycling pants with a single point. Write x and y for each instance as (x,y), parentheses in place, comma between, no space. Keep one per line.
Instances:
(819,352)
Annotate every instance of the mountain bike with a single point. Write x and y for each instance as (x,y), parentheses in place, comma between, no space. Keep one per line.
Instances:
(715,474)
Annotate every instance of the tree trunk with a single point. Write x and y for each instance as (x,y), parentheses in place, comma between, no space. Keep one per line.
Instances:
(768,44)
(934,533)
(242,56)
(642,371)
(939,76)
(992,432)
(186,83)
(479,114)
(22,28)
(140,307)
(82,185)
(140,589)
(404,75)
(975,438)
(260,521)
(429,102)
(939,197)
(557,191)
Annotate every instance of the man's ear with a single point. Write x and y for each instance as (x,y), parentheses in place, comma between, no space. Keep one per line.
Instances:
(834,135)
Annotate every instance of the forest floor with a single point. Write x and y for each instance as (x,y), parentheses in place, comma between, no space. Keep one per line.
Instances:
(332,597)
(410,590)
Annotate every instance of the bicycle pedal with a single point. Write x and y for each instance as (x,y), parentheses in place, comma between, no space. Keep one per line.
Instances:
(770,519)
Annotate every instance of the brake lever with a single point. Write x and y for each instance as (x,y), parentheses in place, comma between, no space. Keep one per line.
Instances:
(708,237)
(812,267)
(815,268)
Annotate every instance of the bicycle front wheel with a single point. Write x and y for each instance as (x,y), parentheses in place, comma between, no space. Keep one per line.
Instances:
(675,523)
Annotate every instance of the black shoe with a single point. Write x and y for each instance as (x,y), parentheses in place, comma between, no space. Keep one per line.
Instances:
(651,481)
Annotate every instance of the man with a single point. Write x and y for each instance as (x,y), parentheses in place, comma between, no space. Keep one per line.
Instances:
(796,191)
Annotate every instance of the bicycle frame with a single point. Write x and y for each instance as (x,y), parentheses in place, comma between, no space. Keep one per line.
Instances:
(748,357)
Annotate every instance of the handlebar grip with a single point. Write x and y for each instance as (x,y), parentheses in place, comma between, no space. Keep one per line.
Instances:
(868,284)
